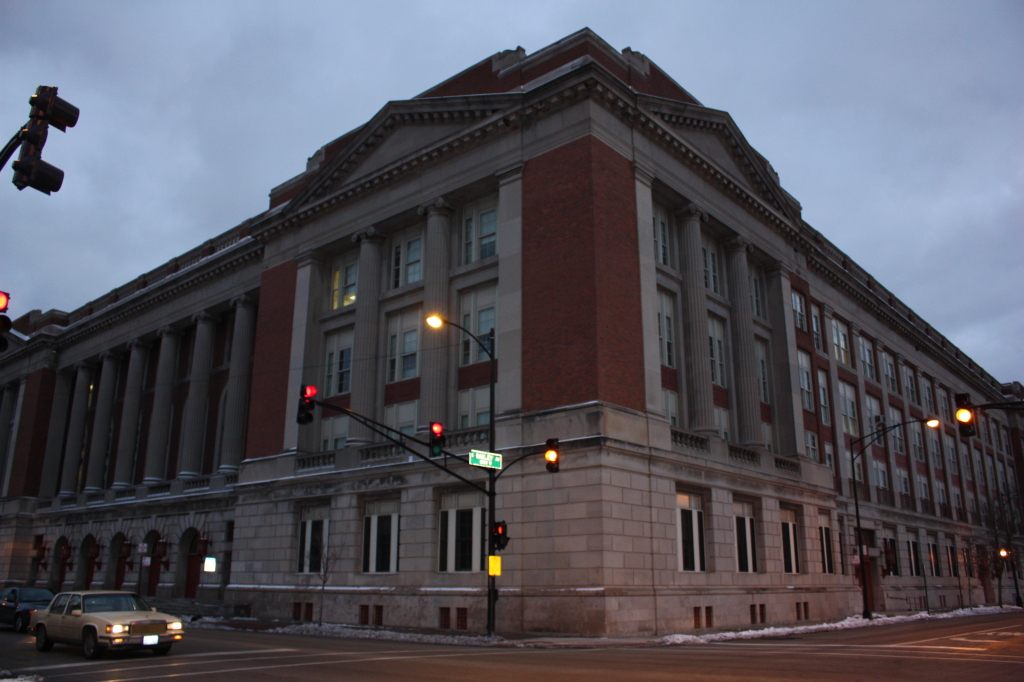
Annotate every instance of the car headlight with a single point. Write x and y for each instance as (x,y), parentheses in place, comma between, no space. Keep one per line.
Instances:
(176,625)
(117,629)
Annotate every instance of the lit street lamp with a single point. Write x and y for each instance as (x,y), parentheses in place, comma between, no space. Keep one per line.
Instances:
(870,438)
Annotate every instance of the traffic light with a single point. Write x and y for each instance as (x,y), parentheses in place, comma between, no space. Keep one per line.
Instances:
(47,109)
(5,322)
(437,439)
(551,454)
(500,535)
(964,414)
(306,395)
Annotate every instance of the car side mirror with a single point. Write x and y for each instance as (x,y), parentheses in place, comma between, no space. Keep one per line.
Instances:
(76,612)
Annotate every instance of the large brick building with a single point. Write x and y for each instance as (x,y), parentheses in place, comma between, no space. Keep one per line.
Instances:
(707,359)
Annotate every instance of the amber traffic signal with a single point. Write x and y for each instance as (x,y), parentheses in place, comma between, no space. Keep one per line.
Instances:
(306,404)
(5,322)
(964,414)
(552,455)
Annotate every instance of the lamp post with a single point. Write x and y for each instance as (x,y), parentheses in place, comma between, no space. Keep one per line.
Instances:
(870,438)
(436,321)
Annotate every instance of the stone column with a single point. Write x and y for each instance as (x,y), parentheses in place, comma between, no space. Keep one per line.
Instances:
(99,445)
(509,321)
(126,441)
(435,344)
(76,431)
(193,426)
(649,305)
(233,445)
(55,435)
(747,396)
(9,398)
(365,342)
(160,417)
(700,395)
(786,403)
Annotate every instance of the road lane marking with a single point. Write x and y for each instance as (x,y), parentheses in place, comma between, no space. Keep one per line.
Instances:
(959,634)
(148,663)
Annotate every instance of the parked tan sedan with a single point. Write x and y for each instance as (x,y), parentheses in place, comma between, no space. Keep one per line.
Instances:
(98,620)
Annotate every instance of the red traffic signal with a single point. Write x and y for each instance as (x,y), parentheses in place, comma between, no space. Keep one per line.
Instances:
(306,404)
(500,535)
(5,322)
(5,300)
(437,439)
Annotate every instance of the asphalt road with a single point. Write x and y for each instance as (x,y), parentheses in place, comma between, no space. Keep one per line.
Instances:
(969,649)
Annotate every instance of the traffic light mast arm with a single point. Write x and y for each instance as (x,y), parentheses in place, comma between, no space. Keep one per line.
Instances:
(383,430)
(11,146)
(1013,405)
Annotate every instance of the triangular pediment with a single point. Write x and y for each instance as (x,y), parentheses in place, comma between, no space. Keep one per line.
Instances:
(400,132)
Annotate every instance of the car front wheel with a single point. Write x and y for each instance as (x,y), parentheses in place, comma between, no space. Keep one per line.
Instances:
(43,642)
(91,646)
(20,623)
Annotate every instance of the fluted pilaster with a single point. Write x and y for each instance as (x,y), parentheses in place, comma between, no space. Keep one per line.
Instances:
(193,426)
(99,446)
(233,446)
(126,441)
(746,396)
(76,431)
(55,435)
(364,343)
(435,344)
(695,332)
(160,417)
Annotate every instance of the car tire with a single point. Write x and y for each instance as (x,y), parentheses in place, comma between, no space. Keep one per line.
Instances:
(43,642)
(20,623)
(91,645)
(162,650)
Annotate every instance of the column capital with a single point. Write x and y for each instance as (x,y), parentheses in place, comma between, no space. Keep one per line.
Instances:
(309,258)
(83,366)
(107,355)
(167,331)
(136,343)
(738,243)
(245,300)
(690,211)
(643,174)
(202,316)
(371,235)
(437,206)
(509,174)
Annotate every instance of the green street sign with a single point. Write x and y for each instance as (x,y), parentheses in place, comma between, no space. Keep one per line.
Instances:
(490,460)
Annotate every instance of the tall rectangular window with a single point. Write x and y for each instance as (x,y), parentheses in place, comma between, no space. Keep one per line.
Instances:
(933,557)
(338,363)
(670,402)
(790,558)
(841,341)
(929,394)
(910,383)
(824,411)
(722,421)
(403,344)
(746,546)
(951,454)
(952,564)
(758,302)
(666,328)
(406,258)
(712,280)
(343,282)
(761,351)
(478,315)
(825,538)
(716,342)
(334,432)
(811,445)
(891,553)
(881,470)
(479,230)
(848,408)
(889,369)
(896,435)
(799,310)
(903,480)
(402,416)
(313,527)
(922,487)
(874,415)
(916,441)
(690,532)
(806,389)
(380,536)
(816,328)
(462,533)
(867,357)
(662,237)
(942,398)
(474,407)
(915,558)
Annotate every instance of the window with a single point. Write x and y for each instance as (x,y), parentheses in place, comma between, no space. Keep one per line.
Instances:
(799,310)
(402,416)
(915,558)
(933,448)
(761,351)
(691,532)
(716,341)
(929,394)
(758,302)
(933,557)
(916,441)
(670,402)
(910,383)
(662,237)
(790,559)
(343,282)
(891,553)
(825,538)
(819,341)
(722,421)
(958,501)
(746,550)
(806,390)
(712,280)
(477,306)
(824,411)
(951,453)
(881,470)
(857,467)
(952,565)
(889,369)
(313,525)
(479,231)
(334,432)
(811,445)
(403,344)
(848,407)
(462,533)
(666,328)
(827,449)
(943,400)
(896,435)
(940,493)
(875,417)
(474,407)
(841,341)
(338,363)
(867,357)
(380,536)
(406,259)
(903,480)
(922,487)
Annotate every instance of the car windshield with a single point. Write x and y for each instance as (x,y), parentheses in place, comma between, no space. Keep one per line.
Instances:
(35,594)
(102,603)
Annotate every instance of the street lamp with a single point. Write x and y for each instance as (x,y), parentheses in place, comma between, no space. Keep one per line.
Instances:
(930,423)
(486,345)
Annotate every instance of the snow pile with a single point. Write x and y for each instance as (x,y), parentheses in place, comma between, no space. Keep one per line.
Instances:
(846,624)
(8,676)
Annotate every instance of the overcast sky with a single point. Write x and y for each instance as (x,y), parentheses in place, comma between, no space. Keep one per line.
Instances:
(898,125)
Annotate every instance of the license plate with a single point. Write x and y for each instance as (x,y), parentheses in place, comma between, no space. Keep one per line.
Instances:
(150,639)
